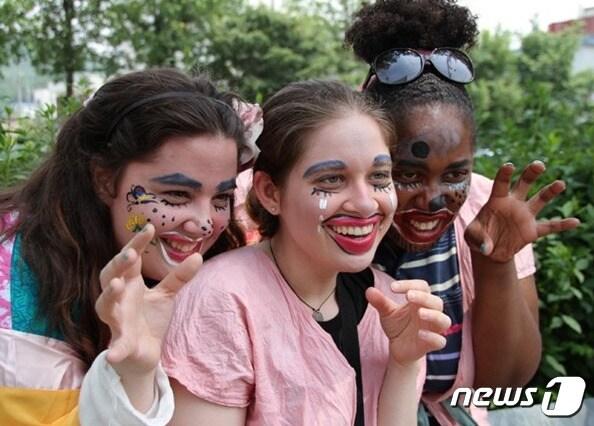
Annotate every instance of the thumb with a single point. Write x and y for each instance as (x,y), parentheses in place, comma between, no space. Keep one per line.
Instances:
(384,305)
(181,275)
(478,239)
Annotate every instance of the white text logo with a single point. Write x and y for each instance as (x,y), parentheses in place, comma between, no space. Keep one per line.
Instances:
(569,397)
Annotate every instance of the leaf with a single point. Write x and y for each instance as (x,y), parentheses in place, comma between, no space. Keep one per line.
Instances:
(572,323)
(555,364)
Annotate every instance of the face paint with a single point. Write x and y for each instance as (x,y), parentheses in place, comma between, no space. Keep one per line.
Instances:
(138,195)
(420,149)
(323,203)
(431,173)
(393,200)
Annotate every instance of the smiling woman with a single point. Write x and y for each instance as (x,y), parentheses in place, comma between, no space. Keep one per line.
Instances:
(298,329)
(152,147)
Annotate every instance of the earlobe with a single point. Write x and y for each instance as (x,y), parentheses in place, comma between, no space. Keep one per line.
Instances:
(267,192)
(102,182)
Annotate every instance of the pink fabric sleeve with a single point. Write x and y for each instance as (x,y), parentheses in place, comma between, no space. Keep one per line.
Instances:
(207,348)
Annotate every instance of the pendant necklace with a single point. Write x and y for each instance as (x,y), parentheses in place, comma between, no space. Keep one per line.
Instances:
(316,314)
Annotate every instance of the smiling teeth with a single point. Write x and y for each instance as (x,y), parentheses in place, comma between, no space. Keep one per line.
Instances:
(181,247)
(356,231)
(424,226)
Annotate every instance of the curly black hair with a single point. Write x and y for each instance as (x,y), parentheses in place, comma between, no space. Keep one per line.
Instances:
(420,24)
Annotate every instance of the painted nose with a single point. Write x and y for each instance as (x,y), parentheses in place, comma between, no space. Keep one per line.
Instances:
(431,199)
(199,228)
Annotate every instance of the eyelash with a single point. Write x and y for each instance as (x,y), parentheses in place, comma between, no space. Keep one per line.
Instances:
(227,198)
(176,194)
(322,192)
(384,187)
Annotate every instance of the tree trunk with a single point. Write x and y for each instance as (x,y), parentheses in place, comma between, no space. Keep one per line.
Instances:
(69,62)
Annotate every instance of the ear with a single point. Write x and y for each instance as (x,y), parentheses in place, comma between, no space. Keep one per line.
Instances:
(103,183)
(267,192)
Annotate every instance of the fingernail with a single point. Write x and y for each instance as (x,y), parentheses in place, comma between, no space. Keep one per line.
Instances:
(125,256)
(483,248)
(509,164)
(538,162)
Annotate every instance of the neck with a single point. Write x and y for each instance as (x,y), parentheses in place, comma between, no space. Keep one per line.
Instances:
(311,281)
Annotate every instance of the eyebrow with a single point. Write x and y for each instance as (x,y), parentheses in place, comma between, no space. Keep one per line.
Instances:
(459,164)
(226,185)
(178,179)
(324,165)
(382,160)
(411,163)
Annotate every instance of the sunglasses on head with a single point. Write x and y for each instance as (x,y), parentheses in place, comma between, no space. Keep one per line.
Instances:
(401,66)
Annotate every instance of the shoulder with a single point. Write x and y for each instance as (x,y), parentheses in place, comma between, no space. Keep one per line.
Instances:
(236,273)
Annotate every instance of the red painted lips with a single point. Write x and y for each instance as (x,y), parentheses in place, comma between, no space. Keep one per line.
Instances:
(421,227)
(353,235)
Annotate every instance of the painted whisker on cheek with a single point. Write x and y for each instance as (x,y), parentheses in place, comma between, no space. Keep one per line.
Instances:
(407,186)
(393,200)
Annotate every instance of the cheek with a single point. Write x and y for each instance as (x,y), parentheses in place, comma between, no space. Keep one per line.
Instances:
(160,215)
(219,221)
(457,195)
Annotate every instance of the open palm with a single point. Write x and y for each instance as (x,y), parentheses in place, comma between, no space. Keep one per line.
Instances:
(137,316)
(507,222)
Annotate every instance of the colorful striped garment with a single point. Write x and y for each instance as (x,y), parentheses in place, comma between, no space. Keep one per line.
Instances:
(40,375)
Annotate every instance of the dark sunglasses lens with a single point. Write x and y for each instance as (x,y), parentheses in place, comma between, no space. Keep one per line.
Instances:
(453,64)
(398,67)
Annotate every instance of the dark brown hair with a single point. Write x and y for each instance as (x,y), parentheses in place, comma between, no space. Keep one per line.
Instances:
(290,116)
(65,229)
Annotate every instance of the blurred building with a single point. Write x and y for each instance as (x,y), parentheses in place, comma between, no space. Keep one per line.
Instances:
(584,57)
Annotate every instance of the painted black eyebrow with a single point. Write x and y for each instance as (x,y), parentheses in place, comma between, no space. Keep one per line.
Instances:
(411,163)
(382,160)
(324,165)
(226,185)
(178,179)
(459,164)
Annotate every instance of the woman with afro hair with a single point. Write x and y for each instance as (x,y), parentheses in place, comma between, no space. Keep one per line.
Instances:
(467,236)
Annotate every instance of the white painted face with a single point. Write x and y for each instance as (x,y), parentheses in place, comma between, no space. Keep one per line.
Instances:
(185,190)
(338,200)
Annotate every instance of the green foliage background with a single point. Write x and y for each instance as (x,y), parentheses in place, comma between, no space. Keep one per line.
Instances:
(528,106)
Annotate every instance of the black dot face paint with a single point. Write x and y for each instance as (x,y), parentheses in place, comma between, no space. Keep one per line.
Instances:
(155,210)
(437,203)
(420,149)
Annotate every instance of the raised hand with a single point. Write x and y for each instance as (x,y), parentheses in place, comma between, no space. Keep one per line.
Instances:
(415,327)
(507,222)
(138,317)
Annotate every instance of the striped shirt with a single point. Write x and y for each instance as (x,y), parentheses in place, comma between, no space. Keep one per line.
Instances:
(439,267)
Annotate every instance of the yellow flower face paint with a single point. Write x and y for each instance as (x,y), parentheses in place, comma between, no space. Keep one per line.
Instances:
(136,222)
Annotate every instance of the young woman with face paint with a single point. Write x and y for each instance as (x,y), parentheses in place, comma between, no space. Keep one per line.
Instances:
(281,332)
(152,149)
(461,232)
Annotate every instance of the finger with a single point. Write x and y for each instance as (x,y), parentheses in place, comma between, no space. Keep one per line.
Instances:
(402,286)
(545,195)
(384,305)
(554,226)
(433,341)
(502,181)
(434,320)
(106,304)
(528,177)
(181,275)
(424,299)
(117,266)
(478,239)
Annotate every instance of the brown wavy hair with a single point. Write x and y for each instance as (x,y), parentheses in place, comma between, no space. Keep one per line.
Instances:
(65,229)
(290,116)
